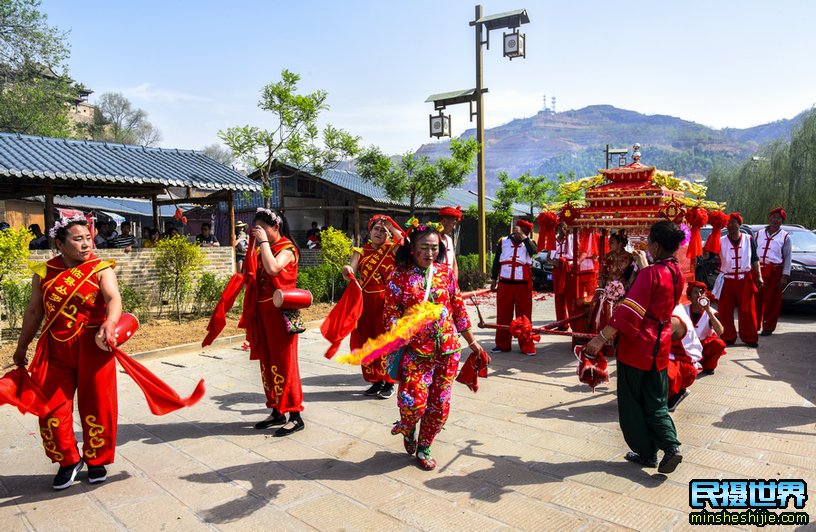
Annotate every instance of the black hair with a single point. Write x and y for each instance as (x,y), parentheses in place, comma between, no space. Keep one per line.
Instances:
(620,237)
(34,228)
(62,232)
(152,231)
(208,225)
(403,255)
(283,225)
(666,235)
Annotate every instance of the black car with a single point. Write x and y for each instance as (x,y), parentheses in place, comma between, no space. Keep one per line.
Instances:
(542,272)
(801,287)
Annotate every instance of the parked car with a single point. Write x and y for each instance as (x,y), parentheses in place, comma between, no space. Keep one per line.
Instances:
(801,287)
(542,272)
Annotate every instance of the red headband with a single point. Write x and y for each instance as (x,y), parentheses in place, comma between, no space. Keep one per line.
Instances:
(451,212)
(695,284)
(780,211)
(735,216)
(525,225)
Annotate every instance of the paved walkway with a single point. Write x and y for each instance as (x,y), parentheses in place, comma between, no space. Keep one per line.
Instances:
(533,449)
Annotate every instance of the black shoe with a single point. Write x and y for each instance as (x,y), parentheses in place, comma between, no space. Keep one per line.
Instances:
(374,389)
(66,475)
(671,459)
(271,421)
(675,399)
(297,424)
(729,342)
(752,344)
(497,349)
(386,391)
(765,333)
(707,372)
(97,474)
(634,457)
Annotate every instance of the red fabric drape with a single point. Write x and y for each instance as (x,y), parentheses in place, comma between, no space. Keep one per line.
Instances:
(522,329)
(474,367)
(547,221)
(696,218)
(161,398)
(718,220)
(18,389)
(343,317)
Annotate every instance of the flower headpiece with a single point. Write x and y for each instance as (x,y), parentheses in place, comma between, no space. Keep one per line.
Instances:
(275,218)
(413,224)
(63,222)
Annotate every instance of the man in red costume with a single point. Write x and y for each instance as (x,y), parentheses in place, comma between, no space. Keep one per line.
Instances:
(450,218)
(774,250)
(374,262)
(738,259)
(684,357)
(706,324)
(561,259)
(511,278)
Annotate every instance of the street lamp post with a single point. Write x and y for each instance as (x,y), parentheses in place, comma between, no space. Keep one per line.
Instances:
(514,45)
(621,152)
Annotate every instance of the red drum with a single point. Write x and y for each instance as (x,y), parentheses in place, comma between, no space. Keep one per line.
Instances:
(126,327)
(294,298)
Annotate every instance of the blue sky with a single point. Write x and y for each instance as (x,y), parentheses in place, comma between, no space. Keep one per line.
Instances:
(198,67)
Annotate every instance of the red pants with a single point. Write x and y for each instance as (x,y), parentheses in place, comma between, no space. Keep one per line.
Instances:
(681,373)
(739,293)
(79,366)
(370,325)
(277,351)
(560,293)
(511,298)
(713,349)
(425,393)
(769,298)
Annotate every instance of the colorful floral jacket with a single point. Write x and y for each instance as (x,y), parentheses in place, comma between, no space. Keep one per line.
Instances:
(406,288)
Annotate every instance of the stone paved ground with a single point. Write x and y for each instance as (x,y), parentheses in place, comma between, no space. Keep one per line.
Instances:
(533,449)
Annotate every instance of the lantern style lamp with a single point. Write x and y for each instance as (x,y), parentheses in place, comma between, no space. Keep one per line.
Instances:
(440,125)
(514,44)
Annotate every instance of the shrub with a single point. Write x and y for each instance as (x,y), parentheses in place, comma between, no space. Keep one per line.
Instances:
(335,249)
(177,262)
(470,278)
(208,292)
(315,280)
(134,301)
(16,295)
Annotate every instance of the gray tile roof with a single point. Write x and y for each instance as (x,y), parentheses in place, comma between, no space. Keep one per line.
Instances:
(39,158)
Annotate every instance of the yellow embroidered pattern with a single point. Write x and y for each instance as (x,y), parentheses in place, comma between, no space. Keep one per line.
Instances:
(94,441)
(49,444)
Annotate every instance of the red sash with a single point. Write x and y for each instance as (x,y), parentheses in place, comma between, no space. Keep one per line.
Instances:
(375,265)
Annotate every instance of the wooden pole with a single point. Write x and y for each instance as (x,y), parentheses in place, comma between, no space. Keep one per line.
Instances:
(49,213)
(357,236)
(231,211)
(156,219)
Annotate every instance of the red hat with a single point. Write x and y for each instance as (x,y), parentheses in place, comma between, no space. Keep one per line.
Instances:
(780,211)
(695,284)
(526,226)
(735,216)
(451,212)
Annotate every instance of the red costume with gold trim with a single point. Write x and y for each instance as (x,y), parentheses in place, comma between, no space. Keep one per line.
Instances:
(269,342)
(375,265)
(68,361)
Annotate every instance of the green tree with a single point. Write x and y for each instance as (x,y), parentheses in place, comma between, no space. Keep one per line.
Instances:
(335,248)
(418,179)
(219,153)
(116,120)
(33,96)
(295,137)
(13,255)
(178,262)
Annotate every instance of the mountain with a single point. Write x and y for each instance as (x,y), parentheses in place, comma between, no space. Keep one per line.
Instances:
(552,143)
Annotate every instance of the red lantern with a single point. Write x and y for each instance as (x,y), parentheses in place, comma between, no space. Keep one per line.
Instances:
(568,213)
(696,218)
(673,211)
(547,221)
(718,220)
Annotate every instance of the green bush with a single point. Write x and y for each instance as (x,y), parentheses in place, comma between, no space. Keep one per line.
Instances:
(177,262)
(135,302)
(208,292)
(16,295)
(470,278)
(315,279)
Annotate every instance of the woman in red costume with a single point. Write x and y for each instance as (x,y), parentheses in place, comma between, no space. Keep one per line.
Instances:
(431,358)
(77,295)
(270,342)
(374,262)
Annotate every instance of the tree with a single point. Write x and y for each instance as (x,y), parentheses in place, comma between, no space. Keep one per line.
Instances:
(219,153)
(335,248)
(33,96)
(116,120)
(418,179)
(177,261)
(294,140)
